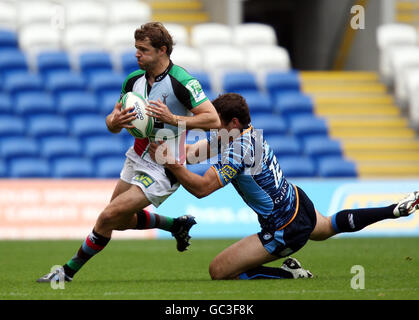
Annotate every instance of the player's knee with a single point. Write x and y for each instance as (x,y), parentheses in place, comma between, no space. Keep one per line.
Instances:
(217,272)
(108,219)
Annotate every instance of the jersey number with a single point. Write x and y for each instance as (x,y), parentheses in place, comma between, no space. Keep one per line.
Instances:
(274,167)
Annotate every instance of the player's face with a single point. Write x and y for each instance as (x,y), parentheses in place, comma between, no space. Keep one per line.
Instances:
(147,56)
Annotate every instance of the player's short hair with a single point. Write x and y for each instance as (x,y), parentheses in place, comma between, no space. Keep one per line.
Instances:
(158,35)
(232,105)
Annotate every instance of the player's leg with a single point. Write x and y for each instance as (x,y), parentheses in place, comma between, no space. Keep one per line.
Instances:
(244,260)
(353,220)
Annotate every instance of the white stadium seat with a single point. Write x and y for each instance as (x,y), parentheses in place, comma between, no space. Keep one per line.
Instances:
(250,34)
(37,37)
(390,36)
(414,108)
(30,12)
(178,32)
(120,37)
(8,15)
(130,12)
(78,12)
(187,57)
(210,34)
(83,37)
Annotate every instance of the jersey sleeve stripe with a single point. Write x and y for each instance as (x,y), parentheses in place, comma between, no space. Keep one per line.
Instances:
(218,176)
(296,209)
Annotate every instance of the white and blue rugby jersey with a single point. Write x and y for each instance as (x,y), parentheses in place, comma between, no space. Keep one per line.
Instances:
(250,165)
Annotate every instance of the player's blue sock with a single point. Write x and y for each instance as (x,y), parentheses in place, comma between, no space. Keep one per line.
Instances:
(263,272)
(356,219)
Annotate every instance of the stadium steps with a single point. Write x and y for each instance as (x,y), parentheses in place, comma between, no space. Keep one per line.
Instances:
(184,12)
(362,115)
(407,12)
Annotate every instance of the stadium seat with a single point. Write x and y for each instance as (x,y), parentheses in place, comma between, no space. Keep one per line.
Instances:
(107,101)
(8,16)
(109,167)
(307,126)
(11,126)
(290,104)
(72,168)
(320,147)
(297,167)
(83,37)
(53,148)
(280,82)
(119,38)
(129,12)
(52,61)
(270,124)
(239,81)
(263,59)
(6,107)
(187,57)
(23,82)
(204,79)
(3,169)
(8,38)
(29,168)
(35,38)
(129,62)
(85,126)
(62,82)
(179,33)
(411,79)
(254,34)
(46,126)
(34,12)
(99,147)
(336,167)
(18,147)
(102,82)
(258,102)
(210,34)
(12,61)
(76,103)
(85,12)
(94,62)
(284,145)
(405,60)
(34,103)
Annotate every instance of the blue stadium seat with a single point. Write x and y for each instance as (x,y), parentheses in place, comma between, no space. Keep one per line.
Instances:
(204,79)
(258,102)
(91,62)
(53,148)
(12,61)
(109,167)
(297,167)
(42,126)
(18,147)
(337,167)
(53,61)
(11,126)
(8,40)
(307,126)
(102,82)
(284,145)
(270,124)
(85,126)
(107,101)
(129,62)
(65,82)
(320,147)
(72,168)
(77,103)
(239,82)
(99,147)
(29,168)
(23,82)
(34,103)
(280,82)
(3,169)
(289,104)
(5,104)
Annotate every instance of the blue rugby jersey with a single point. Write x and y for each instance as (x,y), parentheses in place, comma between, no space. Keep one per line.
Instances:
(250,165)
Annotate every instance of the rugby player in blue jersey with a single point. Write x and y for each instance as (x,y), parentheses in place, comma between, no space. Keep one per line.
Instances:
(287,217)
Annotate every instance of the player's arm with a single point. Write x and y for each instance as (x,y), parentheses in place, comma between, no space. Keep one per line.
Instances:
(119,118)
(198,152)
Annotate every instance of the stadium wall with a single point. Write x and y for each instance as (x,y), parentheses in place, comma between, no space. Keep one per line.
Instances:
(67,209)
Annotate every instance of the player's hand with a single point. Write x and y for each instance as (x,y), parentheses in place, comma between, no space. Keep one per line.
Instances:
(159,110)
(121,118)
(161,154)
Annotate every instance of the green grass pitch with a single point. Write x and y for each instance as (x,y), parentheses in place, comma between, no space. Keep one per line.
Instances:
(153,269)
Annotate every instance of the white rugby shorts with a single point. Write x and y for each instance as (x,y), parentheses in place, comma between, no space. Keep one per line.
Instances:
(149,176)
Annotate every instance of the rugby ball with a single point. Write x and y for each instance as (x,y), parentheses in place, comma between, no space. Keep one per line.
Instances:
(143,124)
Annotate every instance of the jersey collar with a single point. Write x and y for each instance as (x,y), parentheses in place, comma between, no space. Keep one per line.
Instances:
(161,76)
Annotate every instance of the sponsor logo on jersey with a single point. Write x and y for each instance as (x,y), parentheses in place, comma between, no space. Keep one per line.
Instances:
(195,89)
(228,172)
